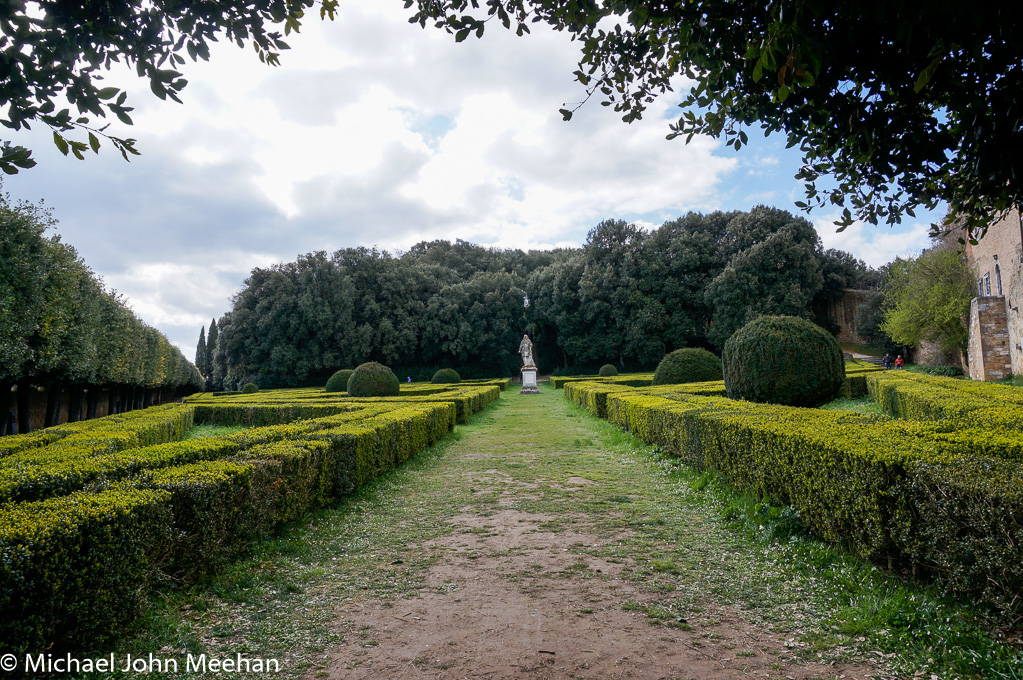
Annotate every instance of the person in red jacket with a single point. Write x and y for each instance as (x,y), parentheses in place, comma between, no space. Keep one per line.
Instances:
(898,362)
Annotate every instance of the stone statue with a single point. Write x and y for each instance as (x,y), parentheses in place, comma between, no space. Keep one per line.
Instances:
(526,350)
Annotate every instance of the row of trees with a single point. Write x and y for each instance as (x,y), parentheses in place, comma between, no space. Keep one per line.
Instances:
(60,329)
(627,297)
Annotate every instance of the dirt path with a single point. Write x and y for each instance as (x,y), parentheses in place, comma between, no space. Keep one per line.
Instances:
(542,545)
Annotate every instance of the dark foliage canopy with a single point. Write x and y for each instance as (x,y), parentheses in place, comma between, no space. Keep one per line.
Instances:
(627,297)
(783,360)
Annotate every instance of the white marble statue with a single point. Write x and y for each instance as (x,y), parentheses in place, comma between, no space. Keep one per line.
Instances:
(526,350)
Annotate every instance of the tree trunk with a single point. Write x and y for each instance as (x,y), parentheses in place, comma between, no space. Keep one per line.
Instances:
(24,407)
(53,395)
(92,402)
(5,407)
(112,400)
(74,406)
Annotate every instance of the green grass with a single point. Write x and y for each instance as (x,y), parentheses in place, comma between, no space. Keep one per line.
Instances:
(865,404)
(689,543)
(200,431)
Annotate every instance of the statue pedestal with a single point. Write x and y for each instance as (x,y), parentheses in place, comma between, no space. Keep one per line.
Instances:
(529,381)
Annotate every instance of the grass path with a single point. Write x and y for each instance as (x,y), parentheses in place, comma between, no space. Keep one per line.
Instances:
(536,541)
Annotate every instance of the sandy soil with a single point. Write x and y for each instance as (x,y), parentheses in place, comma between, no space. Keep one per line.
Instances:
(510,599)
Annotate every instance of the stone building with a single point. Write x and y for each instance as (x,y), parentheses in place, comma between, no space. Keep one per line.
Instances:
(996,324)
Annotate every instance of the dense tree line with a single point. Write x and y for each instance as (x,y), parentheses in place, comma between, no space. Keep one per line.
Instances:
(61,330)
(626,297)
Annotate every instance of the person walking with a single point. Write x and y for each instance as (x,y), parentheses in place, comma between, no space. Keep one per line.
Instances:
(898,362)
(887,361)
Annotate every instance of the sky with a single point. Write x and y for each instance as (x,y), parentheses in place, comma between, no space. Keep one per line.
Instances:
(376,132)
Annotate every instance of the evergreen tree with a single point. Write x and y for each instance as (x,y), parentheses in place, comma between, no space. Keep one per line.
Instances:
(211,347)
(200,352)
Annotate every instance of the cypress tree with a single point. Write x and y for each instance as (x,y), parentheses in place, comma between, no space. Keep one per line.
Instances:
(211,348)
(200,352)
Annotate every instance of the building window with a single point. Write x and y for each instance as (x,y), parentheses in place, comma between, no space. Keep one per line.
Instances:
(987,285)
(980,287)
(998,278)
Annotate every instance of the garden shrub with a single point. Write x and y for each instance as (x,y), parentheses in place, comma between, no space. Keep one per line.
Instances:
(446,376)
(687,365)
(608,370)
(212,516)
(339,381)
(76,569)
(250,388)
(783,360)
(373,380)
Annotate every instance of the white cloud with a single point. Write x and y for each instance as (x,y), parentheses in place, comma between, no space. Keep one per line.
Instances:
(874,245)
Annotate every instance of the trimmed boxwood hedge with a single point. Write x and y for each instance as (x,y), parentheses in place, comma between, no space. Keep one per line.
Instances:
(339,381)
(948,502)
(75,569)
(607,370)
(373,380)
(687,365)
(92,557)
(446,376)
(783,360)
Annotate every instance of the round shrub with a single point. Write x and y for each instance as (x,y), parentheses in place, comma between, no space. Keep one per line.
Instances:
(607,370)
(446,376)
(690,364)
(250,388)
(783,360)
(339,381)
(372,380)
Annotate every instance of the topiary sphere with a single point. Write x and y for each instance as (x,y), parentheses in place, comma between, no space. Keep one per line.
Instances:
(783,360)
(446,376)
(690,364)
(250,388)
(372,380)
(339,381)
(608,370)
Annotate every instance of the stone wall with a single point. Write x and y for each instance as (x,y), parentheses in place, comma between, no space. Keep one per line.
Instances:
(989,339)
(843,312)
(1013,310)
(930,354)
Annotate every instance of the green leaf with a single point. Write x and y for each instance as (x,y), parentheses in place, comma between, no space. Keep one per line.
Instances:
(462,35)
(107,92)
(94,142)
(122,114)
(60,142)
(565,114)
